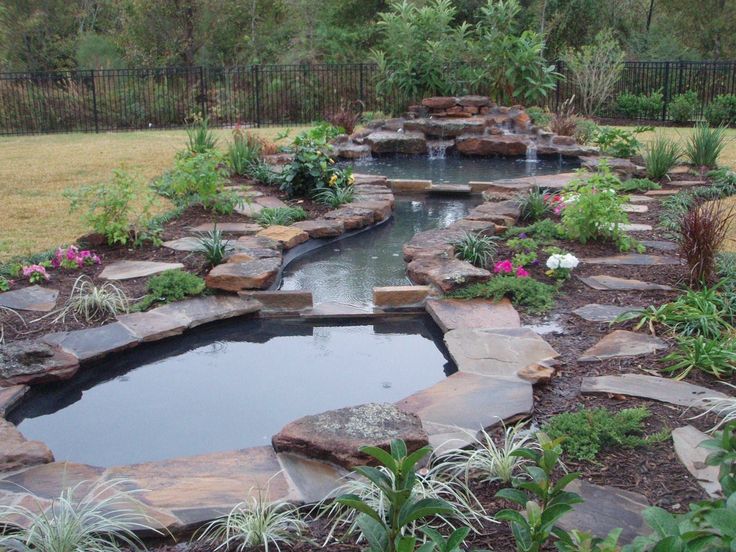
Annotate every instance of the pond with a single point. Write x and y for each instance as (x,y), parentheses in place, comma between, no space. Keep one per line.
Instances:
(229,386)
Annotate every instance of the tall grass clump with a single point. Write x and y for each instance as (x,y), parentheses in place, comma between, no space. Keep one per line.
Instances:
(101,520)
(335,196)
(477,249)
(89,302)
(660,156)
(200,138)
(243,153)
(533,205)
(705,145)
(280,216)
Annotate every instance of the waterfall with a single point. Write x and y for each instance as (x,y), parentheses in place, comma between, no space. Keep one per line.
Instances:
(438,148)
(531,153)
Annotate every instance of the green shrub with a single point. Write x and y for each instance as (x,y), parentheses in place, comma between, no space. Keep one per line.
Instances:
(585,131)
(589,431)
(280,216)
(544,231)
(705,145)
(243,153)
(721,111)
(477,249)
(4,283)
(311,171)
(640,106)
(619,142)
(533,205)
(170,286)
(528,293)
(334,196)
(683,107)
(525,251)
(627,105)
(539,116)
(660,156)
(637,185)
(321,133)
(200,138)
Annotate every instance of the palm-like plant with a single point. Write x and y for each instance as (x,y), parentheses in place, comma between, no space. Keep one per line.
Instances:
(705,145)
(477,249)
(213,246)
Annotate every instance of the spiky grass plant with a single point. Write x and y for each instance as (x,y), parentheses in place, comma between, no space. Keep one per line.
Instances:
(723,407)
(533,205)
(705,145)
(476,248)
(281,216)
(716,357)
(255,523)
(88,302)
(336,196)
(660,156)
(487,461)
(200,138)
(244,152)
(12,312)
(213,246)
(103,519)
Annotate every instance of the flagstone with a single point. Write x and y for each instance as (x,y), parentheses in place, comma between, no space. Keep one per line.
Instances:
(631,208)
(313,480)
(251,210)
(152,326)
(187,244)
(33,361)
(634,227)
(623,343)
(17,452)
(452,314)
(127,270)
(31,298)
(661,245)
(11,396)
(603,282)
(270,202)
(252,274)
(636,259)
(243,228)
(687,440)
(94,343)
(594,312)
(201,310)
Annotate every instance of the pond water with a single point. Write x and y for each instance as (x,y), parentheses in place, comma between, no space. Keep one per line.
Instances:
(459,170)
(229,386)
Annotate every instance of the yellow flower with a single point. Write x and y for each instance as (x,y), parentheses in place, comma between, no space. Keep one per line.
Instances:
(333,179)
(332,161)
(351,179)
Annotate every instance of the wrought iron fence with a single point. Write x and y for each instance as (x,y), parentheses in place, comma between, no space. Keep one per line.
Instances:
(262,95)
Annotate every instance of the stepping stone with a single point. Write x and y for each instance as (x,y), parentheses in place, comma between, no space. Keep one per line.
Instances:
(622,343)
(633,227)
(270,202)
(471,401)
(497,352)
(452,314)
(93,343)
(650,387)
(16,452)
(286,236)
(605,509)
(661,245)
(516,185)
(601,313)
(32,361)
(637,198)
(187,244)
(48,481)
(254,274)
(400,296)
(434,242)
(32,298)
(680,169)
(408,185)
(445,274)
(202,310)
(505,213)
(449,189)
(631,208)
(127,270)
(314,480)
(658,193)
(243,228)
(321,228)
(602,282)
(336,436)
(636,259)
(686,441)
(280,300)
(687,183)
(153,326)
(353,218)
(251,210)
(10,396)
(337,310)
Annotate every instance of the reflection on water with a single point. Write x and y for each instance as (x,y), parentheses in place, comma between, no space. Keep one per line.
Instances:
(228,386)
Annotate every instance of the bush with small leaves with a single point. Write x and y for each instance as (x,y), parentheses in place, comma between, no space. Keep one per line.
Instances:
(170,286)
(683,107)
(527,293)
(721,110)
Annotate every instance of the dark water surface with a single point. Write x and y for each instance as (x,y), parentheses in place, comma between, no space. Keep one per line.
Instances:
(229,386)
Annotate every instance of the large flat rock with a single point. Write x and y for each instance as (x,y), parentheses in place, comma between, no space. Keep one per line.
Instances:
(48,481)
(10,396)
(241,228)
(127,270)
(17,452)
(453,314)
(490,145)
(32,298)
(660,245)
(605,509)
(336,436)
(152,326)
(517,185)
(313,480)
(400,296)
(603,282)
(471,401)
(445,274)
(687,440)
(352,218)
(93,343)
(386,141)
(33,361)
(321,228)
(434,242)
(446,128)
(650,387)
(188,244)
(623,343)
(635,259)
(601,313)
(202,310)
(497,352)
(504,213)
(253,274)
(286,236)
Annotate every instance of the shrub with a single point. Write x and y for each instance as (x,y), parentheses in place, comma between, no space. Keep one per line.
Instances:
(660,156)
(702,231)
(585,131)
(528,293)
(89,302)
(721,111)
(637,185)
(564,122)
(705,145)
(618,142)
(716,357)
(280,216)
(543,231)
(170,286)
(200,138)
(525,251)
(589,431)
(640,106)
(627,105)
(335,196)
(683,107)
(243,153)
(533,205)
(213,246)
(321,133)
(311,171)
(4,283)
(540,116)
(477,249)
(346,117)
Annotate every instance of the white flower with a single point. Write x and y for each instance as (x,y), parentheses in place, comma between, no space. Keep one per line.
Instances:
(568,261)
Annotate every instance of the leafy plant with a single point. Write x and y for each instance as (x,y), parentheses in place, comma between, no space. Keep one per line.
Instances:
(255,523)
(637,185)
(4,283)
(335,196)
(585,131)
(102,519)
(384,531)
(682,108)
(619,142)
(243,153)
(641,106)
(716,357)
(705,145)
(200,138)
(543,231)
(533,205)
(544,500)
(721,111)
(588,431)
(660,156)
(170,286)
(534,296)
(213,246)
(627,105)
(476,248)
(89,302)
(540,116)
(311,170)
(565,121)
(580,541)
(280,216)
(321,134)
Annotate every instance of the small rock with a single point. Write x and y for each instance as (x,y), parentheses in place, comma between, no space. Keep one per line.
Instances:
(256,274)
(28,362)
(16,452)
(601,313)
(127,270)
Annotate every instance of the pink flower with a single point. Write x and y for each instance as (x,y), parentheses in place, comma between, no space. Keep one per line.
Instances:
(521,272)
(34,272)
(503,267)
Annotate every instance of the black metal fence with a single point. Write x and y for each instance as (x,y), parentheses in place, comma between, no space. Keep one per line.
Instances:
(262,95)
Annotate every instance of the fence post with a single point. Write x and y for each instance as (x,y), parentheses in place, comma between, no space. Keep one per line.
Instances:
(362,85)
(666,90)
(94,101)
(560,68)
(202,93)
(257,94)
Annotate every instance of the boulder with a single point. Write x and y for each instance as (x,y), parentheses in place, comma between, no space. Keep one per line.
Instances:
(446,274)
(474,101)
(439,102)
(16,452)
(381,208)
(501,144)
(321,228)
(336,435)
(24,362)
(434,242)
(256,274)
(352,218)
(286,236)
(504,213)
(351,150)
(622,167)
(444,128)
(385,141)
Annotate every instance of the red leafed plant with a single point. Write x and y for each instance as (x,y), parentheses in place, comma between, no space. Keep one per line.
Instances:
(703,230)
(347,116)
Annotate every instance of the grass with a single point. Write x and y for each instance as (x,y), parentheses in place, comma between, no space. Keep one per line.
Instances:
(35,171)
